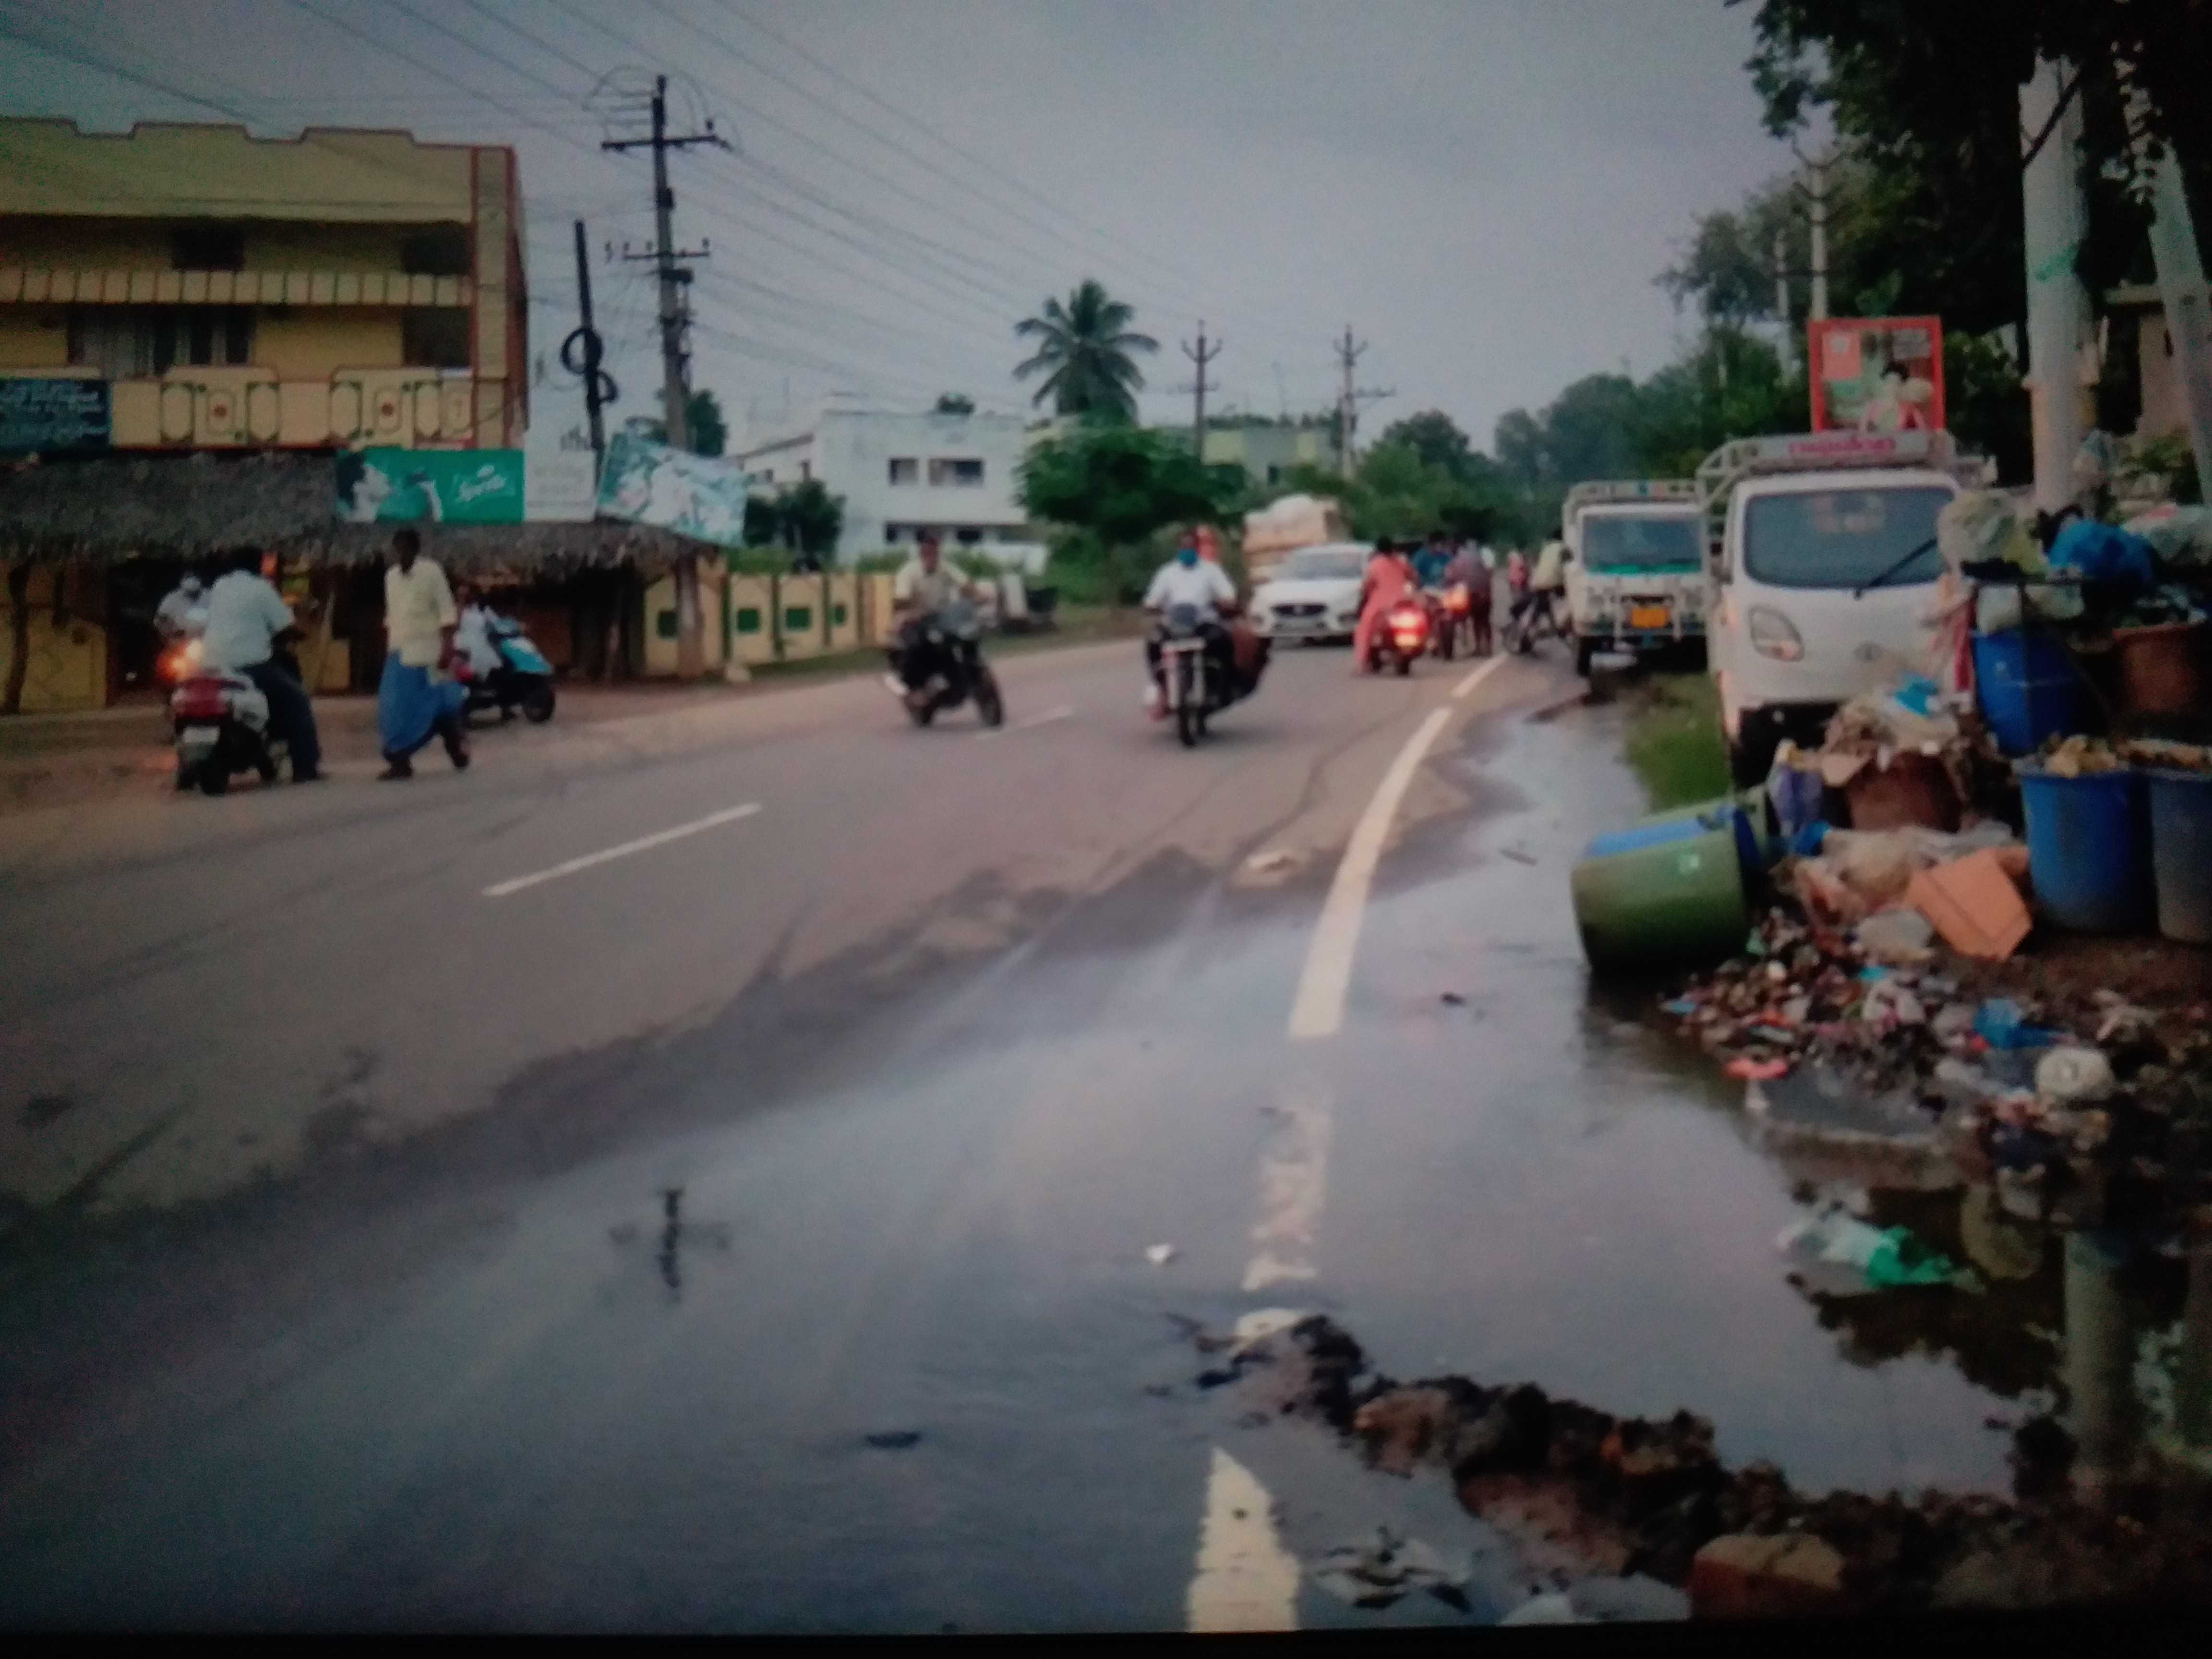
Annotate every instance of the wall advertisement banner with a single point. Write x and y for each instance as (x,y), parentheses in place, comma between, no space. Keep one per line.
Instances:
(1877,373)
(434,486)
(648,483)
(42,415)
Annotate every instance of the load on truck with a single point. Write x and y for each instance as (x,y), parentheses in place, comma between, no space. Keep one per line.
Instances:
(1823,559)
(1636,579)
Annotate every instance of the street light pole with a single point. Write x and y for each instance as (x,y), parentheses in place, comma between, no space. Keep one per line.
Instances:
(2054,223)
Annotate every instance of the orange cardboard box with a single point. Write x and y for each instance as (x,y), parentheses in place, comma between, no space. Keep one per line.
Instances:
(1973,904)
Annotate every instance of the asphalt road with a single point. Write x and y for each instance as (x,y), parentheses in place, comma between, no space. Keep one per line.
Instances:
(701,1174)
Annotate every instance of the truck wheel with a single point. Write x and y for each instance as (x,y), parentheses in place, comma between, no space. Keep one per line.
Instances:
(1585,649)
(1752,758)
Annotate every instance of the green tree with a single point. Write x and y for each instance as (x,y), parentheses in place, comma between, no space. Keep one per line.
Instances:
(810,518)
(710,432)
(1086,352)
(955,402)
(1108,489)
(1434,437)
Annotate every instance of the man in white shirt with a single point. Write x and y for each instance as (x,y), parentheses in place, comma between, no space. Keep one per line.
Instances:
(416,701)
(1188,580)
(924,585)
(244,616)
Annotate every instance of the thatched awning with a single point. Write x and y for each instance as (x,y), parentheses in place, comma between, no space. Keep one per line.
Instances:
(102,508)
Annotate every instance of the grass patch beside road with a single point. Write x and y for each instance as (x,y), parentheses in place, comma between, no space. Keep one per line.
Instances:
(1674,740)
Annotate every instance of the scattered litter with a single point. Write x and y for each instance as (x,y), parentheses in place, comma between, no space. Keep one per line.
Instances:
(2000,1023)
(1452,999)
(1757,1071)
(893,1439)
(1160,1254)
(1900,938)
(2067,1077)
(1974,902)
(2078,756)
(1377,1574)
(1886,1258)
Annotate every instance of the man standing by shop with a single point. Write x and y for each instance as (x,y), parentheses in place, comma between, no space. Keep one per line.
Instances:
(416,701)
(245,618)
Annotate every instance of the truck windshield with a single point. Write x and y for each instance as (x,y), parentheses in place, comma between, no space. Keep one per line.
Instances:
(1626,544)
(1842,538)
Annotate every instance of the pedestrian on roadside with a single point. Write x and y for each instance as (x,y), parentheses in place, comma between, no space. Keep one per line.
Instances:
(246,618)
(415,700)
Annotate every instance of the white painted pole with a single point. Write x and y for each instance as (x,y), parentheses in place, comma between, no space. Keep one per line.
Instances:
(2055,220)
(1818,309)
(2181,288)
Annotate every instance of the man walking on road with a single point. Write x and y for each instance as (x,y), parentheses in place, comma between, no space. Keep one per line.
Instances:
(246,615)
(416,701)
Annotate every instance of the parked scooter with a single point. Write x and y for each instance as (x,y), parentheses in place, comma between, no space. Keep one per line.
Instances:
(1401,635)
(221,722)
(947,650)
(522,679)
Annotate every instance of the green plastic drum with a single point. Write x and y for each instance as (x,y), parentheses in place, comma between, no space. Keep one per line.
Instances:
(1669,892)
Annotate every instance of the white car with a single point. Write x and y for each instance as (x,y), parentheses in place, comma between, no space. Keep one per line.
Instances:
(1313,593)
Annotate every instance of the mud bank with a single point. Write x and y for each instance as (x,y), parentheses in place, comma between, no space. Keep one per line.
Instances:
(1580,1493)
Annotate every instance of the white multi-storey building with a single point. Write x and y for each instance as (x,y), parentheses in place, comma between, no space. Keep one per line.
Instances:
(901,474)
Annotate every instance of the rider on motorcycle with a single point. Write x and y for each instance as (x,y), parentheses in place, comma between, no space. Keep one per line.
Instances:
(924,585)
(1188,580)
(182,614)
(1389,579)
(1431,562)
(1546,584)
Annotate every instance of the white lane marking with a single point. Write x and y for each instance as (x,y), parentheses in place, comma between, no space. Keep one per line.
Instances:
(1246,1580)
(1318,1011)
(1466,686)
(643,843)
(1293,1186)
(1064,712)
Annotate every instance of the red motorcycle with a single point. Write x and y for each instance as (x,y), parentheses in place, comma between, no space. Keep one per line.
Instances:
(1402,634)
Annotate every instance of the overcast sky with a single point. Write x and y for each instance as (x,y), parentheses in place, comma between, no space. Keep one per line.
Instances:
(1482,188)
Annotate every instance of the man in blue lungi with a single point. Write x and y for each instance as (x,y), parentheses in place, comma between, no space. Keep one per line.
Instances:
(416,700)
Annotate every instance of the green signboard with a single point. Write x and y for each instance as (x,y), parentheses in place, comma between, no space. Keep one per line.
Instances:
(51,413)
(439,486)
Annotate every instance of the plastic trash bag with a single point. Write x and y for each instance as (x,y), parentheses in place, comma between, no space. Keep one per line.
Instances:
(2105,553)
(1886,1258)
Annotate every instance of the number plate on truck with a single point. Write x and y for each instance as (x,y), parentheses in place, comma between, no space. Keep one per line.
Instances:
(1650,616)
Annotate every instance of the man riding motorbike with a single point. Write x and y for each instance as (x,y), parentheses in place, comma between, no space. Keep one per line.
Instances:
(924,585)
(1430,561)
(248,626)
(1188,580)
(1546,584)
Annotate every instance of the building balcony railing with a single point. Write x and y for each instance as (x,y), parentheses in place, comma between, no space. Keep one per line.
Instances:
(42,285)
(250,408)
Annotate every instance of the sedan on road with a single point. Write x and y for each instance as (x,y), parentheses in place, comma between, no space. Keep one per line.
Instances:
(1313,594)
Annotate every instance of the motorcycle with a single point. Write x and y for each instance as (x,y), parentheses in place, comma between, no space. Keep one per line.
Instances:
(948,645)
(522,679)
(1443,622)
(222,723)
(1536,621)
(1190,680)
(1402,634)
(178,660)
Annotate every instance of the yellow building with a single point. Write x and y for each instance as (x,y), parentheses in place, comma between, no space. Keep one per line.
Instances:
(202,288)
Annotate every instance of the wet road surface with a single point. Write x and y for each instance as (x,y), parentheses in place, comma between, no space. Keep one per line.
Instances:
(751,1233)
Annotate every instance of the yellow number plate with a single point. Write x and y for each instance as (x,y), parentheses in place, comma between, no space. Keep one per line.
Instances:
(1650,616)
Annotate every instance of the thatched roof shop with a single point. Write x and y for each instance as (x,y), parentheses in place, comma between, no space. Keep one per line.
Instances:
(102,508)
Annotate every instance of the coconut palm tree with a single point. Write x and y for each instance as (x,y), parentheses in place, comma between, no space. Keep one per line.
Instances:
(1086,344)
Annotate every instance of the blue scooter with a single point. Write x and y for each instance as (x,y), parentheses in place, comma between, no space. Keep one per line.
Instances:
(524,679)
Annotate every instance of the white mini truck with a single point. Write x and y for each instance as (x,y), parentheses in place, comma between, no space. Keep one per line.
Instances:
(1822,558)
(1635,581)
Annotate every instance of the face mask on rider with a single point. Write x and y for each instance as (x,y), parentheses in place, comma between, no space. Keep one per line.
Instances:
(1185,556)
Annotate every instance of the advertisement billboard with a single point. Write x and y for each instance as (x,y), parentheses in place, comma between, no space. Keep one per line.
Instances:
(1877,373)
(434,486)
(47,415)
(648,483)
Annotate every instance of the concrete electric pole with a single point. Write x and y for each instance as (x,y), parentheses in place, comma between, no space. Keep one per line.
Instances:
(675,324)
(2055,217)
(1200,357)
(2188,304)
(1348,353)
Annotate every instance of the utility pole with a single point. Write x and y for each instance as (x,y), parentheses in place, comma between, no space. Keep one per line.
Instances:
(1817,309)
(1781,279)
(675,322)
(2055,219)
(2183,294)
(1201,357)
(1348,353)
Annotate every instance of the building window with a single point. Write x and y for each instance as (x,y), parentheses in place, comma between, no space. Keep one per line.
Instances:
(964,473)
(905,470)
(433,339)
(969,536)
(435,251)
(129,342)
(208,247)
(1274,473)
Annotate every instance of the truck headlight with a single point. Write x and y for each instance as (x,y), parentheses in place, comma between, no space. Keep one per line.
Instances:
(1773,635)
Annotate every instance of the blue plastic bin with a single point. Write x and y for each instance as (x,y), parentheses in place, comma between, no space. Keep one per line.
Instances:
(2181,853)
(2027,688)
(2088,850)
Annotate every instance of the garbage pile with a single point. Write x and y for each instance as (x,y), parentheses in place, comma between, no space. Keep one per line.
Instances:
(1590,1500)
